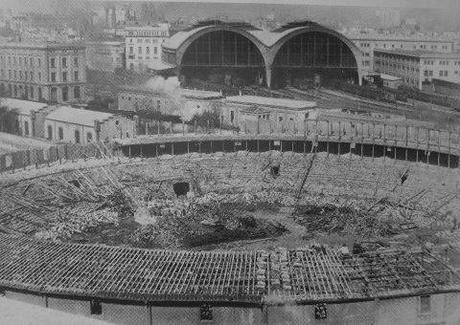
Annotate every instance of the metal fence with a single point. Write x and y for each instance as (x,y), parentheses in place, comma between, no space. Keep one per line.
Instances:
(60,153)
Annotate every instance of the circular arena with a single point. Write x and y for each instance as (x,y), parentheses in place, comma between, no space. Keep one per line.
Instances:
(245,236)
(240,54)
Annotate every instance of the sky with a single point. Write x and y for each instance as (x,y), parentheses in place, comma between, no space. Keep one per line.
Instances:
(446,4)
(370,3)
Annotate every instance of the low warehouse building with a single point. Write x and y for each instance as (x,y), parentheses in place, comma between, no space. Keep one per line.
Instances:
(68,124)
(265,114)
(182,102)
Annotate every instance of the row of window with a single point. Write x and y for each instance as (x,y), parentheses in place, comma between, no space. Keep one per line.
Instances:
(22,61)
(27,92)
(29,76)
(63,62)
(89,135)
(20,75)
(397,66)
(29,61)
(64,77)
(147,50)
(442,73)
(401,45)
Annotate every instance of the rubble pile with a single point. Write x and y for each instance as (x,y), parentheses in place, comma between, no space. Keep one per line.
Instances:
(345,195)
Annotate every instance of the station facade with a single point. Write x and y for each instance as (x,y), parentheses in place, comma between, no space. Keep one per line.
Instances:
(241,54)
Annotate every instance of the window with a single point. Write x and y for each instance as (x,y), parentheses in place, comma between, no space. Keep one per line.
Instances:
(64,62)
(61,133)
(139,50)
(53,95)
(40,95)
(53,63)
(31,76)
(89,137)
(39,76)
(53,76)
(147,50)
(425,304)
(39,62)
(75,61)
(77,136)
(65,94)
(26,128)
(75,75)
(64,76)
(131,50)
(76,92)
(31,92)
(50,132)
(155,50)
(232,116)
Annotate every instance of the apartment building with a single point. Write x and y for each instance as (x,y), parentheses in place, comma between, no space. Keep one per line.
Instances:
(143,46)
(418,67)
(106,56)
(367,44)
(48,72)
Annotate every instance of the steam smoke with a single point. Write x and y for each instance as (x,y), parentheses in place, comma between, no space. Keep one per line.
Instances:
(160,84)
(169,87)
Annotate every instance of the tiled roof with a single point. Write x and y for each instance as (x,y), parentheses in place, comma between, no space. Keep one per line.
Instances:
(271,102)
(300,275)
(421,54)
(22,106)
(78,116)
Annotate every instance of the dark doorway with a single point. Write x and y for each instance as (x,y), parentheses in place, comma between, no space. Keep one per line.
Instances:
(181,188)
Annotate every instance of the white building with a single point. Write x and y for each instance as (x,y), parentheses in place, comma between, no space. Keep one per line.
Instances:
(68,124)
(367,43)
(418,67)
(265,114)
(143,46)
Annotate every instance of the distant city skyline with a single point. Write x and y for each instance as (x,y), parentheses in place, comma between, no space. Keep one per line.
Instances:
(441,4)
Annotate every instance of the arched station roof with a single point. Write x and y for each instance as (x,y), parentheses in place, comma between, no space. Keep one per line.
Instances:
(262,38)
(268,42)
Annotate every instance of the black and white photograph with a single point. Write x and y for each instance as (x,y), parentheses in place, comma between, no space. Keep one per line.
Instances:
(226,162)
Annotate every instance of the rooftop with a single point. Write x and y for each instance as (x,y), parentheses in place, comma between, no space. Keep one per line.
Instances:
(200,94)
(22,106)
(389,77)
(396,38)
(41,45)
(421,54)
(271,102)
(266,37)
(78,116)
(309,274)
